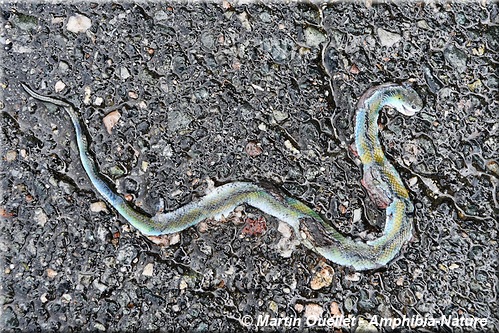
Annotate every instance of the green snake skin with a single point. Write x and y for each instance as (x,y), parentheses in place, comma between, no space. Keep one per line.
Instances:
(381,180)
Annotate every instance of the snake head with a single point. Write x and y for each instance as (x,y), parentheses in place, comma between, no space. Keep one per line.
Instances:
(410,102)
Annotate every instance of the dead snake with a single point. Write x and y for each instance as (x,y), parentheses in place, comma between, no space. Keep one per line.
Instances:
(380,178)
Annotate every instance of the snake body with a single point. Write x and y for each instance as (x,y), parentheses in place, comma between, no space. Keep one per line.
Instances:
(380,178)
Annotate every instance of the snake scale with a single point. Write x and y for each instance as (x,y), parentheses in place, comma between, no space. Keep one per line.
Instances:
(380,178)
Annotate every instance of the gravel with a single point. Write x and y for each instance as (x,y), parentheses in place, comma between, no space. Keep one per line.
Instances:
(195,84)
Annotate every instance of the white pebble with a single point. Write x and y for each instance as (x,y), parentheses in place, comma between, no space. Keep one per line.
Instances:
(59,86)
(78,23)
(148,269)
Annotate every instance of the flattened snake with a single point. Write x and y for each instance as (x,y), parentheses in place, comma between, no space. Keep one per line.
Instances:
(381,180)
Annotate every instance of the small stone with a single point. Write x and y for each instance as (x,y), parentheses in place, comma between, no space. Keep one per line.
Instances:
(313,311)
(273,306)
(57,20)
(99,327)
(78,23)
(322,278)
(353,277)
(388,38)
(66,298)
(99,286)
(423,24)
(354,69)
(365,326)
(111,119)
(453,266)
(183,285)
(10,155)
(59,86)
(148,269)
(456,58)
(280,115)
(124,73)
(63,66)
(299,307)
(98,101)
(413,181)
(253,148)
(203,227)
(313,37)
(99,206)
(174,238)
(44,298)
(51,273)
(243,18)
(87,92)
(40,217)
(133,95)
(357,215)
(400,281)
(290,147)
(335,309)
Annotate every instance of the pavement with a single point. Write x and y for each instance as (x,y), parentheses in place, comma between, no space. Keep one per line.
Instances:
(200,94)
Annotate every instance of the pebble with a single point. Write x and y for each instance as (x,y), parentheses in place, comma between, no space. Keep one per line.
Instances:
(10,155)
(253,148)
(66,298)
(357,215)
(280,115)
(63,66)
(87,92)
(313,37)
(322,278)
(365,326)
(59,86)
(78,23)
(183,285)
(335,309)
(273,306)
(413,181)
(290,147)
(399,281)
(98,101)
(456,58)
(148,269)
(111,119)
(51,273)
(40,217)
(313,310)
(388,38)
(124,73)
(99,327)
(353,277)
(99,206)
(243,18)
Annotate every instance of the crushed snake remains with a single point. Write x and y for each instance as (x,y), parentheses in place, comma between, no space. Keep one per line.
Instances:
(380,178)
